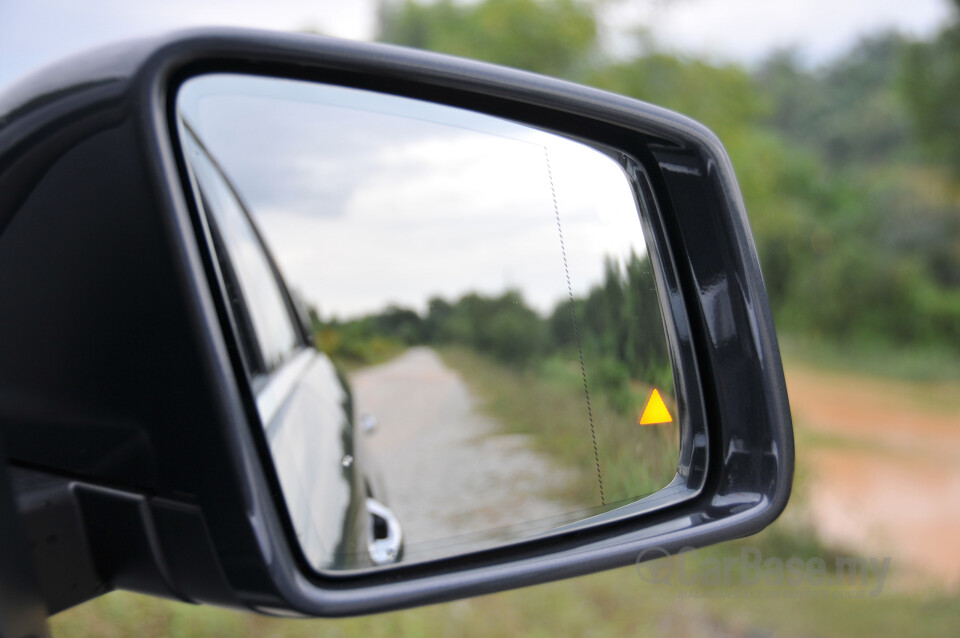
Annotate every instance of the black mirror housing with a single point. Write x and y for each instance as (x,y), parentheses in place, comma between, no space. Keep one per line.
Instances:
(127,431)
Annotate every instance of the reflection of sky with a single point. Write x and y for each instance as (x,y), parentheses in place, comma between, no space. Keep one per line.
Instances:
(368,200)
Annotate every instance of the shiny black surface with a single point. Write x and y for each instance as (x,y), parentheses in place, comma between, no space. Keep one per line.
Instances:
(23,609)
(116,370)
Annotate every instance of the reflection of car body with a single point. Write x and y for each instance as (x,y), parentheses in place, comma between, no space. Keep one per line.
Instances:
(332,497)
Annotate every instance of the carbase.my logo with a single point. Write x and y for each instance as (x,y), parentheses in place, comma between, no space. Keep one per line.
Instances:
(750,568)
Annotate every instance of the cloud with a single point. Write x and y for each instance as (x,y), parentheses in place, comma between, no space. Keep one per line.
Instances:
(370,200)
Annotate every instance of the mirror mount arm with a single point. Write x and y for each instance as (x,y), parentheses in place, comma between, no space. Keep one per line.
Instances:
(23,608)
(87,540)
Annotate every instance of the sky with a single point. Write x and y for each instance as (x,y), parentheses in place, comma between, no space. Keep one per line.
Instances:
(36,32)
(370,200)
(747,30)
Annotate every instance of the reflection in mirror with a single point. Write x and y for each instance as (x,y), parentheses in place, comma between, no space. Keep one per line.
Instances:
(492,362)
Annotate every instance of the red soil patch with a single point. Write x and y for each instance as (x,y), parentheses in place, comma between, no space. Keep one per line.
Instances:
(891,484)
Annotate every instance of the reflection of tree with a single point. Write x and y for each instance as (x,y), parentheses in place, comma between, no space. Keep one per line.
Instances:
(620,331)
(503,327)
(620,328)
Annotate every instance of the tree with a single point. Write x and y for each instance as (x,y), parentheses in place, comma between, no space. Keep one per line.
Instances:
(848,111)
(555,37)
(931,87)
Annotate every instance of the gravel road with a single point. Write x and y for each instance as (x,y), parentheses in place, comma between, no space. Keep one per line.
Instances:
(447,470)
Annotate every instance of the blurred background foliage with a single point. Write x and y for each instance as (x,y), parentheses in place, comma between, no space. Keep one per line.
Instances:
(849,171)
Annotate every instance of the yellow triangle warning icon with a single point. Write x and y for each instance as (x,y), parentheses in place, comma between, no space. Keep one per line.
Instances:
(655,412)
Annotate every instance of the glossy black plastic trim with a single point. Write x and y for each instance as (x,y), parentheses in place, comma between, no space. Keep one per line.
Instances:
(122,97)
(23,610)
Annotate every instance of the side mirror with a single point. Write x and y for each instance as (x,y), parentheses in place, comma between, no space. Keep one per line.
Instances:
(223,252)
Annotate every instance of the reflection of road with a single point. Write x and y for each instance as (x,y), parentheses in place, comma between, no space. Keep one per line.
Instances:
(888,481)
(445,469)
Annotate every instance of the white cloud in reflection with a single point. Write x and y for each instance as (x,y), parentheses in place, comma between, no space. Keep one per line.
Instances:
(368,200)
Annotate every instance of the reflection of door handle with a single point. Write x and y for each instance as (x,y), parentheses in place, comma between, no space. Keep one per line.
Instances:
(385,541)
(368,422)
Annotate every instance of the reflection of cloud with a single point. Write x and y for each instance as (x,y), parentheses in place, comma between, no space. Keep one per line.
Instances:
(368,200)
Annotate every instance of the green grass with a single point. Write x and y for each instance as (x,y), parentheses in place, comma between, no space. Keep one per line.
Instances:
(806,437)
(547,403)
(874,359)
(613,603)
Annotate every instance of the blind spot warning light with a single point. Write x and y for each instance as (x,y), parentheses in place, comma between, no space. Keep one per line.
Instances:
(655,412)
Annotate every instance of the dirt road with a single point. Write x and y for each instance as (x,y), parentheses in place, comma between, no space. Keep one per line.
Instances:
(446,470)
(884,458)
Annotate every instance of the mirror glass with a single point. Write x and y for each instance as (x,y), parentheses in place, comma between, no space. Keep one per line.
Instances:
(450,321)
